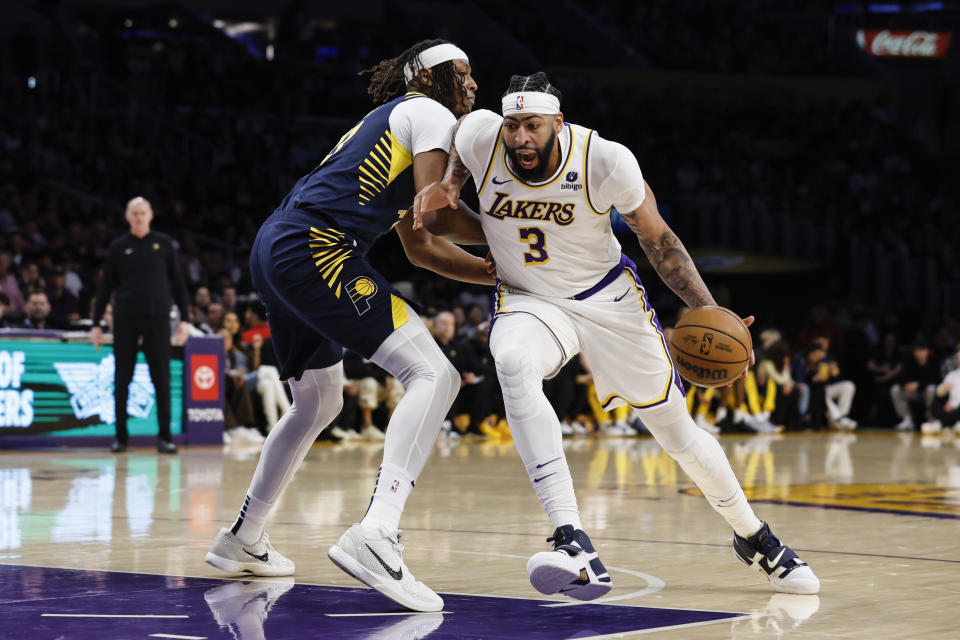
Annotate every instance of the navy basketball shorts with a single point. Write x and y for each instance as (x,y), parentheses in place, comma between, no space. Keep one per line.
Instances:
(320,293)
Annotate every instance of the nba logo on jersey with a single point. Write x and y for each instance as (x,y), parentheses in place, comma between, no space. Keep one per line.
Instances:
(519,103)
(361,289)
(395,486)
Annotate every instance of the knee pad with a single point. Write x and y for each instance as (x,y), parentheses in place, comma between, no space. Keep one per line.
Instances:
(518,380)
(318,391)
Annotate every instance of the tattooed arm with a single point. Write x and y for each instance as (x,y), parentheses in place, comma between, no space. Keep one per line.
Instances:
(666,253)
(462,229)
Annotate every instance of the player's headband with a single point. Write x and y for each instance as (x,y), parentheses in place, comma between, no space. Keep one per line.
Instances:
(431,57)
(530,102)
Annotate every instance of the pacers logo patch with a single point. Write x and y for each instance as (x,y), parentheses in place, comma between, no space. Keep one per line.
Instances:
(360,290)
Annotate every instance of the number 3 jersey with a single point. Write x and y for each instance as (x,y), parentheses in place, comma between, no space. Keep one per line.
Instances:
(551,238)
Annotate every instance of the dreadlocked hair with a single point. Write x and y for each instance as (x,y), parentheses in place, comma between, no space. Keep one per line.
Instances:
(388,82)
(537,82)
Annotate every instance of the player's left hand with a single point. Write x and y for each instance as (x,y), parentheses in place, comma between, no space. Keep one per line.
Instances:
(435,195)
(753,356)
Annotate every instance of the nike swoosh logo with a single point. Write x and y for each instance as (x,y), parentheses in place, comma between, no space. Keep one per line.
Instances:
(540,466)
(262,558)
(544,477)
(619,298)
(495,181)
(775,561)
(396,575)
(570,589)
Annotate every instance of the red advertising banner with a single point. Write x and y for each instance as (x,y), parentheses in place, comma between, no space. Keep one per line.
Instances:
(204,384)
(904,44)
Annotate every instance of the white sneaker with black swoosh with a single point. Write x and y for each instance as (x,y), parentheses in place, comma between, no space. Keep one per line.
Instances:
(228,554)
(375,558)
(764,552)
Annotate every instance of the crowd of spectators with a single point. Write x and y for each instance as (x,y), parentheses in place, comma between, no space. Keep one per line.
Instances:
(214,138)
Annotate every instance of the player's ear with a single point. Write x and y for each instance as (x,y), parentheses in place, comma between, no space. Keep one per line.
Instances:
(426,77)
(558,122)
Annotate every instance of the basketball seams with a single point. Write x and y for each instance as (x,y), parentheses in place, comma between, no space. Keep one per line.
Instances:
(702,359)
(702,326)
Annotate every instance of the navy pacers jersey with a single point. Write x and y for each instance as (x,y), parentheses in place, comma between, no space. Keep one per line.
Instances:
(365,184)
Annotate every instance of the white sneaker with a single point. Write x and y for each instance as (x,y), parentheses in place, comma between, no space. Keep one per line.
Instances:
(344,434)
(933,426)
(779,563)
(373,433)
(572,568)
(846,422)
(566,428)
(906,424)
(229,554)
(579,429)
(758,424)
(375,558)
(704,424)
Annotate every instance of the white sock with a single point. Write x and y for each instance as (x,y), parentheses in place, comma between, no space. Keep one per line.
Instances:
(554,486)
(250,523)
(703,459)
(390,495)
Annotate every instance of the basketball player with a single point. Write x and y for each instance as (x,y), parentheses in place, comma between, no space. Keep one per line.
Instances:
(546,188)
(309,267)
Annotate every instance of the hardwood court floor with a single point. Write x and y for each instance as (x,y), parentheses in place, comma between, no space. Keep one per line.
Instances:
(876,515)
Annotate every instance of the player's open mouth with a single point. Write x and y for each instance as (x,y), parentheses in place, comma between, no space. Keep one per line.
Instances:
(527,158)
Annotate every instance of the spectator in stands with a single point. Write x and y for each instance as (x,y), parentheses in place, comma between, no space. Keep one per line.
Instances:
(913,393)
(951,362)
(229,299)
(461,355)
(9,284)
(775,369)
(946,405)
(30,279)
(38,310)
(255,319)
(201,299)
(884,365)
(64,308)
(238,413)
(839,391)
(231,322)
(6,321)
(212,321)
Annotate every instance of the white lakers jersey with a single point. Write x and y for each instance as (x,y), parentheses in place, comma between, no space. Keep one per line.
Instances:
(553,238)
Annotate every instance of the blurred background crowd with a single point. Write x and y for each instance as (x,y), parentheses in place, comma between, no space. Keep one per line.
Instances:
(812,180)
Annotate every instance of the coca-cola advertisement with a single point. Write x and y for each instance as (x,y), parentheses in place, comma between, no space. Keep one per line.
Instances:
(904,44)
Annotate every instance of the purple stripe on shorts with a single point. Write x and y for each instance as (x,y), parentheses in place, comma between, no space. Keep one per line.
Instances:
(612,275)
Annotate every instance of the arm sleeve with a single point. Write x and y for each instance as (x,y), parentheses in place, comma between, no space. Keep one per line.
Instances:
(476,138)
(422,124)
(617,176)
(107,284)
(177,285)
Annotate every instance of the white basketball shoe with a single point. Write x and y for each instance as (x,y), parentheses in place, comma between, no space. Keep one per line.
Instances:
(778,562)
(260,558)
(375,558)
(572,568)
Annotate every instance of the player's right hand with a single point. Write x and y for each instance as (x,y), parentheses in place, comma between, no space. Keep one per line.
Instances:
(435,195)
(96,337)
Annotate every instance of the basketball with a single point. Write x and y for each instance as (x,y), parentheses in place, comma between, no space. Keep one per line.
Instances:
(711,346)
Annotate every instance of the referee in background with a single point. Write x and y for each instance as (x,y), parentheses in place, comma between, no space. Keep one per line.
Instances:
(143,269)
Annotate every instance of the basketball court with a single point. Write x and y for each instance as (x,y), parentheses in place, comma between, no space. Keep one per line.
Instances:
(100,546)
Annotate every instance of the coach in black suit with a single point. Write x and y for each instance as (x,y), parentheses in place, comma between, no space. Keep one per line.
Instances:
(143,270)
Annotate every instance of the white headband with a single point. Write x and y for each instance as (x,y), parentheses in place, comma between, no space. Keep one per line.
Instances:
(530,102)
(432,57)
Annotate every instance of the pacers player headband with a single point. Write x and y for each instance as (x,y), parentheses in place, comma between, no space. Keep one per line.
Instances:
(530,102)
(431,57)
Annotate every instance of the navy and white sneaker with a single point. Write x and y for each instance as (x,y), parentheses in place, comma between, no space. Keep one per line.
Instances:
(572,568)
(765,553)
